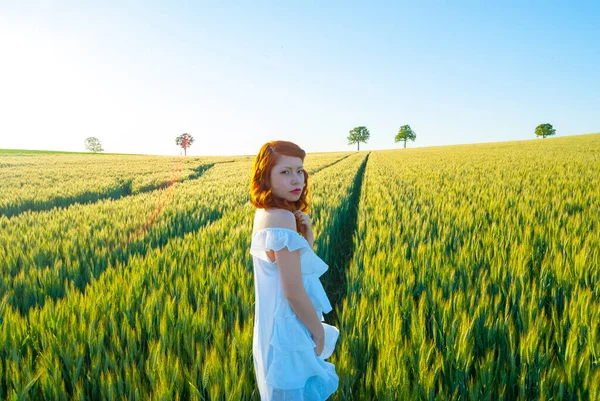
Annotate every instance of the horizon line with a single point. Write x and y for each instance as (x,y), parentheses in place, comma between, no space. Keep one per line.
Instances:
(332,151)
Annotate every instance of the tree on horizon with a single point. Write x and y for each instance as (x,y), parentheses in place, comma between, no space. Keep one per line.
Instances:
(357,135)
(93,144)
(184,140)
(544,130)
(405,133)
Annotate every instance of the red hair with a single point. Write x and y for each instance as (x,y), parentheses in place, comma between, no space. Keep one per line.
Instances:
(260,180)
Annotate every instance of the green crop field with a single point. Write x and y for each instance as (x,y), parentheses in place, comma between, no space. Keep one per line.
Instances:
(464,272)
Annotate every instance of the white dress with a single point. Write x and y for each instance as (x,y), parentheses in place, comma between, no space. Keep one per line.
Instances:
(286,365)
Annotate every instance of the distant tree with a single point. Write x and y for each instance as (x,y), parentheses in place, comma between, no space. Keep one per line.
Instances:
(93,144)
(358,135)
(185,141)
(405,133)
(544,130)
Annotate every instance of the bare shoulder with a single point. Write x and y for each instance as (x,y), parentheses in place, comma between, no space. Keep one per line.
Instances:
(274,218)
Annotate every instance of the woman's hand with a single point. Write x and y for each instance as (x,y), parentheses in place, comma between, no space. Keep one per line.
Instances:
(305,225)
(320,341)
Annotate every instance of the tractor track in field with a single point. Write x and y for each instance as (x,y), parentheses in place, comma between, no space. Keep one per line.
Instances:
(330,164)
(343,243)
(120,191)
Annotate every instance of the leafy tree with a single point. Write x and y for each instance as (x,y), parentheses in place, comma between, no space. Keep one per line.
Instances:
(358,135)
(185,141)
(544,130)
(93,144)
(405,133)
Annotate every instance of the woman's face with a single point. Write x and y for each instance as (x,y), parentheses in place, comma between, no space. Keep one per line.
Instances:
(287,175)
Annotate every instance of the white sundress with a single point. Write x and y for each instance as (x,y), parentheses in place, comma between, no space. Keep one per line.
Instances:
(286,365)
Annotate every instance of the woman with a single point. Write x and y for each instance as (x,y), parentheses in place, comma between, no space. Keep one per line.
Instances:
(290,340)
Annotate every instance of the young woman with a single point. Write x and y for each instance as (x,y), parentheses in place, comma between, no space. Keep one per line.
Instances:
(290,339)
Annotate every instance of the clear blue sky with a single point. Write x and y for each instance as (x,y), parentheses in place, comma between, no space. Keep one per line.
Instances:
(235,75)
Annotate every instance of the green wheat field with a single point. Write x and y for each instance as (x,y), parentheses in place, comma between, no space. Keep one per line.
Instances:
(467,272)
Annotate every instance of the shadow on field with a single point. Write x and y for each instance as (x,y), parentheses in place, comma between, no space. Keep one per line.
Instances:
(343,248)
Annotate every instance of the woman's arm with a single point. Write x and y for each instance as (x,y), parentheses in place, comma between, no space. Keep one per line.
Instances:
(311,240)
(307,314)
(290,273)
